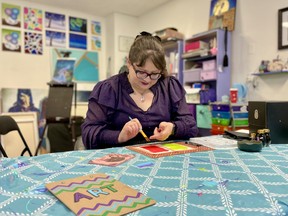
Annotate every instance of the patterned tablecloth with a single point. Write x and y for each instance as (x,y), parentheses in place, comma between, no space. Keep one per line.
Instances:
(219,182)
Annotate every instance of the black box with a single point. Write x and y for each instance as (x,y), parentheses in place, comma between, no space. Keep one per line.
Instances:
(272,115)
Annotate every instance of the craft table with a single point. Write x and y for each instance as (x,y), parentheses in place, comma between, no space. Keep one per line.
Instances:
(217,182)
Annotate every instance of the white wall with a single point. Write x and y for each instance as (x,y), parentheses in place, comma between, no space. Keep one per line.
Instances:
(254,38)
(19,70)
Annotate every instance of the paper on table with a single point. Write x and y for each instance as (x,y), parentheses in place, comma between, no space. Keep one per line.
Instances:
(215,142)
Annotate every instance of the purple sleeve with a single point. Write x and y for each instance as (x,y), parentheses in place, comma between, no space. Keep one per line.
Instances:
(181,115)
(95,132)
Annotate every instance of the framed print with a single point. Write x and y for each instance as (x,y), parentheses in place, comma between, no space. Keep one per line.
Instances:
(283,28)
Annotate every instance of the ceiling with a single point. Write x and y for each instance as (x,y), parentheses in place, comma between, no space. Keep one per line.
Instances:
(105,7)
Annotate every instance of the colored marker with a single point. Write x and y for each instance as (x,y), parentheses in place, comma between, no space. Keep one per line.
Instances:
(142,132)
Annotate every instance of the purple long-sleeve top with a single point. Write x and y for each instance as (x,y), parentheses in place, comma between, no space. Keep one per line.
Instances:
(110,106)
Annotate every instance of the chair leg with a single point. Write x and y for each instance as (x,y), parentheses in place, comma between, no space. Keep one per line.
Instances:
(3,151)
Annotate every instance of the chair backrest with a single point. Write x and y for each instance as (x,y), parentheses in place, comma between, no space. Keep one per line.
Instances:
(8,124)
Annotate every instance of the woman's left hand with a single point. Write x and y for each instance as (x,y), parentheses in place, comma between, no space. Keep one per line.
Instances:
(163,131)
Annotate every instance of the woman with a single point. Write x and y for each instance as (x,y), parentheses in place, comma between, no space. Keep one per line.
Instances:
(143,97)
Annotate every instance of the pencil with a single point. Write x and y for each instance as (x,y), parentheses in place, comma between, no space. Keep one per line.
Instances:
(142,132)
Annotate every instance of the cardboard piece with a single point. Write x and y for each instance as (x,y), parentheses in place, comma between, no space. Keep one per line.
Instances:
(98,194)
(112,159)
(163,149)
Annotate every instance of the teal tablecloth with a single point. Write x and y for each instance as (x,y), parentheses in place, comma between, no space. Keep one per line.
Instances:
(219,182)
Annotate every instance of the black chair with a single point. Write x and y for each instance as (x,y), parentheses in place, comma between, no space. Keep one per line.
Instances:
(8,124)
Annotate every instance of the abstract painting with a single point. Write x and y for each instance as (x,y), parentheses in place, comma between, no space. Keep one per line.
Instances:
(33,19)
(33,43)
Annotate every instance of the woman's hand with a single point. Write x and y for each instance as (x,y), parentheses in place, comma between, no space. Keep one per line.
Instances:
(162,132)
(130,130)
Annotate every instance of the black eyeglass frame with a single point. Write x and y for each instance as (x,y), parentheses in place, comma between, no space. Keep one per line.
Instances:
(145,74)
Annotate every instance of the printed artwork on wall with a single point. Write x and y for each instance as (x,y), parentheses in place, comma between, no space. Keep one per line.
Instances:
(222,14)
(55,39)
(96,43)
(33,43)
(25,100)
(11,15)
(11,40)
(33,19)
(86,67)
(77,25)
(77,41)
(55,21)
(95,28)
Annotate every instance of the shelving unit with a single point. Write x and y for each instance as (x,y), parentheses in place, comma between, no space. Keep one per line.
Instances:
(270,73)
(204,69)
(173,51)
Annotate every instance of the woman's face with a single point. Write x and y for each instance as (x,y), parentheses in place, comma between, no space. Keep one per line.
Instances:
(143,83)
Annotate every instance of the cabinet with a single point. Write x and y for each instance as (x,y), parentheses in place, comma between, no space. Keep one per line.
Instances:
(204,69)
(173,51)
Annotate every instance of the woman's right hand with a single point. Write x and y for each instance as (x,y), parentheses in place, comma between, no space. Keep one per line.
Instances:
(130,130)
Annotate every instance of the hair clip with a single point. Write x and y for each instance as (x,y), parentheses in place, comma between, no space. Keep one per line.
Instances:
(144,33)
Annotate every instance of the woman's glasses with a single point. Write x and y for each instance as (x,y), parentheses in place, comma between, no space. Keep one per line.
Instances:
(143,75)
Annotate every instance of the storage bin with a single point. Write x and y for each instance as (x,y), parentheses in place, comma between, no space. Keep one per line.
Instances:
(221,114)
(220,129)
(208,75)
(192,75)
(192,95)
(241,122)
(209,65)
(240,115)
(220,107)
(220,121)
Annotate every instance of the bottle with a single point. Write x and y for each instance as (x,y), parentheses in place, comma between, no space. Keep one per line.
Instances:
(267,137)
(261,137)
(253,136)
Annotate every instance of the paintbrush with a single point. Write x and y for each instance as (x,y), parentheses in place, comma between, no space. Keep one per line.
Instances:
(142,132)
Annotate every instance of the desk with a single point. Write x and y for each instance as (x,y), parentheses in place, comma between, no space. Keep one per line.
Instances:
(219,182)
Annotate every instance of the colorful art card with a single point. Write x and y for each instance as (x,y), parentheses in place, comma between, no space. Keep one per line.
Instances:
(33,43)
(112,159)
(77,25)
(55,21)
(11,40)
(162,149)
(55,39)
(11,15)
(98,194)
(33,19)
